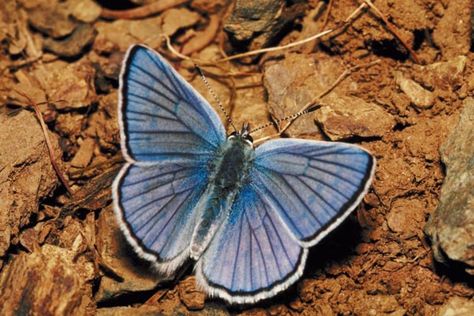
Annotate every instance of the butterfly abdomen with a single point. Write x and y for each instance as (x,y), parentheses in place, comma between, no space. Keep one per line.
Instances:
(227,174)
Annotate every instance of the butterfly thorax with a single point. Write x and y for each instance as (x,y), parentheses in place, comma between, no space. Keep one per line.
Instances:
(230,169)
(228,173)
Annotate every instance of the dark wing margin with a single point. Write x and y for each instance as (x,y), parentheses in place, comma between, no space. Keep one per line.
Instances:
(154,207)
(313,185)
(252,256)
(161,116)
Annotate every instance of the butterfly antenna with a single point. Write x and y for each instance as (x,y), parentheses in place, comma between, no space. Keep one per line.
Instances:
(214,95)
(276,121)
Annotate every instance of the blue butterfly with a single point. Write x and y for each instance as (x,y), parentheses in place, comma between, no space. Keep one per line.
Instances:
(246,215)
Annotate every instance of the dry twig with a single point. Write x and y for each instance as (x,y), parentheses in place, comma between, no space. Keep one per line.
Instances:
(48,142)
(143,11)
(392,29)
(203,38)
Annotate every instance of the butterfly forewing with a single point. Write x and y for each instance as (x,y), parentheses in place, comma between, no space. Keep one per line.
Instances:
(162,117)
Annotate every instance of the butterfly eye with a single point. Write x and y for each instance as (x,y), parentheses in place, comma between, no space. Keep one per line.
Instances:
(248,138)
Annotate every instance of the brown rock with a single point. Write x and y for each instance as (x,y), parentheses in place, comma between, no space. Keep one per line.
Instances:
(419,96)
(144,310)
(26,174)
(128,273)
(405,218)
(457,306)
(208,6)
(190,295)
(258,22)
(176,19)
(47,282)
(84,155)
(84,10)
(168,308)
(446,75)
(74,44)
(123,33)
(67,85)
(294,82)
(450,227)
(343,117)
(52,19)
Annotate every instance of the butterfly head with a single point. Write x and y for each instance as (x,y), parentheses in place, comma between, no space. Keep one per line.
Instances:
(243,135)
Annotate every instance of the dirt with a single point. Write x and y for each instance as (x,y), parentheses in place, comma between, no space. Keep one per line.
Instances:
(62,253)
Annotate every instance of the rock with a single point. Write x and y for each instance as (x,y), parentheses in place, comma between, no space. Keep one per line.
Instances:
(443,78)
(450,227)
(446,75)
(52,19)
(419,96)
(176,19)
(406,217)
(258,22)
(84,155)
(47,282)
(120,34)
(144,310)
(84,10)
(103,124)
(68,85)
(208,6)
(457,306)
(168,308)
(295,81)
(343,117)
(452,34)
(128,273)
(26,173)
(191,297)
(74,44)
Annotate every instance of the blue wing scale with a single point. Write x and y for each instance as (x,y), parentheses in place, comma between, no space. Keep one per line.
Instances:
(161,116)
(313,185)
(253,255)
(154,205)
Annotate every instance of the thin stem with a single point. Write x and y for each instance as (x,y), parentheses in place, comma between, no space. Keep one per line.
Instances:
(276,48)
(48,143)
(393,30)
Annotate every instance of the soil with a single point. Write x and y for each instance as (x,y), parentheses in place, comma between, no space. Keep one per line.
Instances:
(62,253)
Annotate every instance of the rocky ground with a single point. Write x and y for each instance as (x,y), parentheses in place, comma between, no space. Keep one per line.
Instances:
(397,78)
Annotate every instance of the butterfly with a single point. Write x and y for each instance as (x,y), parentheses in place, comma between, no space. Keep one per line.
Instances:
(246,215)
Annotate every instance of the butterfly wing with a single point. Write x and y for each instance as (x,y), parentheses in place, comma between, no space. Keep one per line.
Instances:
(169,133)
(298,192)
(313,185)
(161,116)
(154,206)
(252,256)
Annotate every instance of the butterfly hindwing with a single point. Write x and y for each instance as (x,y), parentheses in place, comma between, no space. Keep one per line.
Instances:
(154,205)
(313,185)
(252,256)
(161,116)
